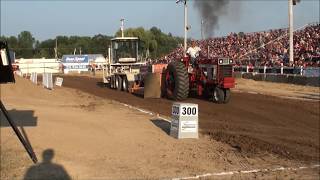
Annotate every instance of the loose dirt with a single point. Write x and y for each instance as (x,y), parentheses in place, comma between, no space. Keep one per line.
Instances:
(95,137)
(252,122)
(282,90)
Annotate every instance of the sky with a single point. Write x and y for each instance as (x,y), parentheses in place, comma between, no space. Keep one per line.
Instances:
(48,19)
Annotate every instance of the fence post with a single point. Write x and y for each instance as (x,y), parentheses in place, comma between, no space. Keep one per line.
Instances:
(247,69)
(44,79)
(301,70)
(36,78)
(264,69)
(27,70)
(281,71)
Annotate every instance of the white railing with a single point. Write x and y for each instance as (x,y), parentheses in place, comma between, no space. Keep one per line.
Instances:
(43,67)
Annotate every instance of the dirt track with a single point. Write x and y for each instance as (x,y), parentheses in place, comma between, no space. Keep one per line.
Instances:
(254,124)
(97,138)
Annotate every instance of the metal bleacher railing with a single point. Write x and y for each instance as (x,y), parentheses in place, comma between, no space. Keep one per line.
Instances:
(298,70)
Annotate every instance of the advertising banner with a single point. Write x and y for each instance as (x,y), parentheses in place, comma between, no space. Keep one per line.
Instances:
(75,59)
(75,63)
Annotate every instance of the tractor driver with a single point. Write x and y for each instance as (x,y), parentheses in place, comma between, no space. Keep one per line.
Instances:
(193,52)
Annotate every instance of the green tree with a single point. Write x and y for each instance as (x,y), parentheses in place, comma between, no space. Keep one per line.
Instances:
(25,45)
(154,40)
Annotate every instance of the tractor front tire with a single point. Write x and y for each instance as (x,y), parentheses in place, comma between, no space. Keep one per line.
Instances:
(218,95)
(177,81)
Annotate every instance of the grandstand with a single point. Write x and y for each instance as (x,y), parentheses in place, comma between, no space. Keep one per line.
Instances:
(265,48)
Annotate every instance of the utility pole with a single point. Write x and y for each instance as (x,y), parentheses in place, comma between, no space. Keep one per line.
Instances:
(290,31)
(80,50)
(185,26)
(122,27)
(56,49)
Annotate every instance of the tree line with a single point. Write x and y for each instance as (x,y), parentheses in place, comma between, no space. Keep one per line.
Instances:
(153,43)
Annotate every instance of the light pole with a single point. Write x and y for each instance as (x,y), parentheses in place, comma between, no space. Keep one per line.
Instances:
(291,31)
(122,27)
(185,25)
(202,29)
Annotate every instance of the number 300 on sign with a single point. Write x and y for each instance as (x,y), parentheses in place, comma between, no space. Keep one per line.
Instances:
(189,111)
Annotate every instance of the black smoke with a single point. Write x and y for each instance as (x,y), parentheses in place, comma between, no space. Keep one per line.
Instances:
(210,11)
(295,2)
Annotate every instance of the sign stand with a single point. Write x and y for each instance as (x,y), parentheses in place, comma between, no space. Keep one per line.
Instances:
(184,123)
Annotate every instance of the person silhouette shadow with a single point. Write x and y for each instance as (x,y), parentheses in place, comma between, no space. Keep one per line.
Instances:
(46,170)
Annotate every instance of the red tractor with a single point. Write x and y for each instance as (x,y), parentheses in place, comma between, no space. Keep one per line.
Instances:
(210,77)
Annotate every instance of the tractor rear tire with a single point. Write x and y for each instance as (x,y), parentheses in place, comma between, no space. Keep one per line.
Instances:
(226,96)
(179,89)
(218,95)
(118,83)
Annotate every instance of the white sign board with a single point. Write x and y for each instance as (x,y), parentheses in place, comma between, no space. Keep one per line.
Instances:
(189,126)
(59,81)
(184,122)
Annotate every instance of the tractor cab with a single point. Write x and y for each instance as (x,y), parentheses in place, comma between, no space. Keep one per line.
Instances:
(124,50)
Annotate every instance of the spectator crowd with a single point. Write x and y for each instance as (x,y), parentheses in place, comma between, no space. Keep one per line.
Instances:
(270,48)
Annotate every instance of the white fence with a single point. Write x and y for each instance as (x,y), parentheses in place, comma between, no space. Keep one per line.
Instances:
(27,66)
(42,67)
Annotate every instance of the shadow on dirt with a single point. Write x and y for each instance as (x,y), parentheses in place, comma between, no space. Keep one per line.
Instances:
(22,118)
(47,169)
(102,85)
(162,124)
(138,95)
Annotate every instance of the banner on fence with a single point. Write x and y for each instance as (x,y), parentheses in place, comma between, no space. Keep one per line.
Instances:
(75,63)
